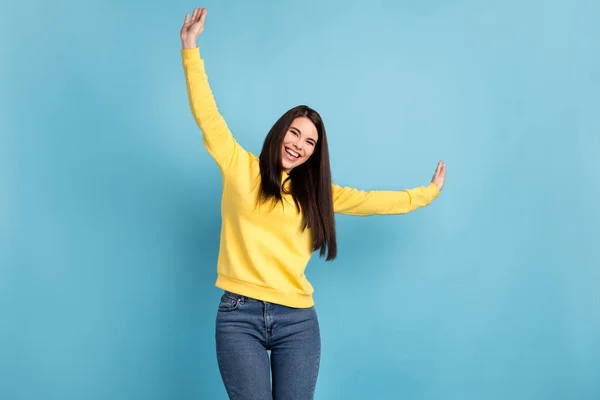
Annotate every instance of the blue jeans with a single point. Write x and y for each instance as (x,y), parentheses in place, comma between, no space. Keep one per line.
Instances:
(247,329)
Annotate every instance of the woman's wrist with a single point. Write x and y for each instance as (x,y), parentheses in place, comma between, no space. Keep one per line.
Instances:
(188,44)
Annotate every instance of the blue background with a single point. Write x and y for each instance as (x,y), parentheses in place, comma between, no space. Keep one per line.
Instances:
(110,204)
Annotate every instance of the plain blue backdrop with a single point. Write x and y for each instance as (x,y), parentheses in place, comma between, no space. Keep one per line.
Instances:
(109,207)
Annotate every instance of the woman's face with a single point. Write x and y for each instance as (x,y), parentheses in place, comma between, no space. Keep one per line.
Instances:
(299,143)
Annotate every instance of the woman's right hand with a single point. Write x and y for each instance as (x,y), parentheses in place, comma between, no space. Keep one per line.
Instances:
(192,28)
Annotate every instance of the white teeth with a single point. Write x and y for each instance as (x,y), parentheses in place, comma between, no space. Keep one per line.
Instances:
(290,152)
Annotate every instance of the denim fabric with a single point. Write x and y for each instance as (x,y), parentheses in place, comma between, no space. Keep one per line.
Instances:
(247,330)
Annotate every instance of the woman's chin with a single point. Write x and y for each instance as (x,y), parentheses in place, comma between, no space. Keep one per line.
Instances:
(288,165)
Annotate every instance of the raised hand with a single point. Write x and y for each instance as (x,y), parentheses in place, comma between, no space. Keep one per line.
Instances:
(192,28)
(439,175)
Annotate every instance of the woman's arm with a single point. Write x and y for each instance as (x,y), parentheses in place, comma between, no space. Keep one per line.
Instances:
(216,135)
(352,201)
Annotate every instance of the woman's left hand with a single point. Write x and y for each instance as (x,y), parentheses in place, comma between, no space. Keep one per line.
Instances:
(439,175)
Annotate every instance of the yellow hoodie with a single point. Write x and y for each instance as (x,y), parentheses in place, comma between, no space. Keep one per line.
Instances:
(263,252)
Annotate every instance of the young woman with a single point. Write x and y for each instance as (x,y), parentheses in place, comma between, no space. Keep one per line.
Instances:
(276,210)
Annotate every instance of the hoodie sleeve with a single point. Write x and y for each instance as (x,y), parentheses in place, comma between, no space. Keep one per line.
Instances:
(347,200)
(217,137)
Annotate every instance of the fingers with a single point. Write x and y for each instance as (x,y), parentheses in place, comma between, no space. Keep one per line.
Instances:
(442,174)
(199,14)
(438,169)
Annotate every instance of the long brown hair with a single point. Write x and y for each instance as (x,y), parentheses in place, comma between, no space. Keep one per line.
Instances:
(310,181)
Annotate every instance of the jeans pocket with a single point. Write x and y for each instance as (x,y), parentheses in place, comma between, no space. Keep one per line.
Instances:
(229,302)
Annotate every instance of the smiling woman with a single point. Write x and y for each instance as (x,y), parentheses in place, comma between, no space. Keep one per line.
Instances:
(264,250)
(299,142)
(296,149)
